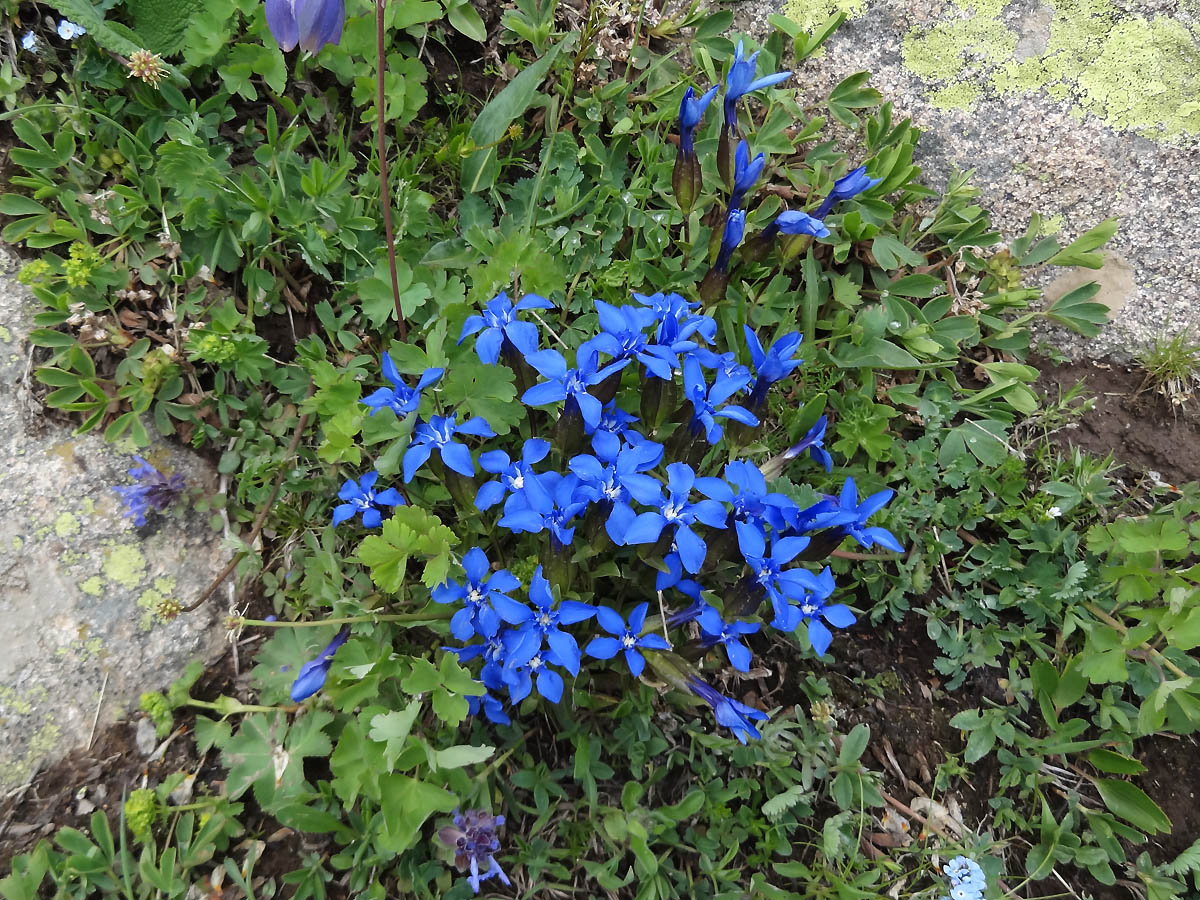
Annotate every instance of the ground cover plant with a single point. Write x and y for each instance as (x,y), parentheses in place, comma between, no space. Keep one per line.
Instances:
(595,412)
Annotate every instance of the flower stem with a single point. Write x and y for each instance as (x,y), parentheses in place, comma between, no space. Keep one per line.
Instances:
(417,618)
(385,198)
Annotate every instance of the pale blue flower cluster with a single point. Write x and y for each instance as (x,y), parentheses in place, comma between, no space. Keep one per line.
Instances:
(967,881)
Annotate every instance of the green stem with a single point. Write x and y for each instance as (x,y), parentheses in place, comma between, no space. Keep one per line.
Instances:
(421,618)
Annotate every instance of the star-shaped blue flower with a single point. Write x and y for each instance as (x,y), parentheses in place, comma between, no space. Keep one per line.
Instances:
(570,385)
(733,714)
(677,511)
(498,324)
(538,626)
(707,401)
(814,442)
(438,434)
(516,478)
(625,638)
(772,365)
(477,616)
(361,497)
(400,398)
(715,630)
(849,185)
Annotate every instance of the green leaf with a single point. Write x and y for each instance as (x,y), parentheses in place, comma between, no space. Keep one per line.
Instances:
(1133,805)
(1080,251)
(410,532)
(393,729)
(20,205)
(462,755)
(1117,763)
(876,353)
(406,804)
(916,286)
(466,20)
(890,253)
(1076,310)
(480,169)
(485,391)
(854,744)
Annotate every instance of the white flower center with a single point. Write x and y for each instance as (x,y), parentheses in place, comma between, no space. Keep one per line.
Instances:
(629,641)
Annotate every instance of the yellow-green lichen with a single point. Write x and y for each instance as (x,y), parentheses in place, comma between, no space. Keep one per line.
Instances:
(66,525)
(1133,72)
(17,542)
(5,334)
(88,506)
(93,586)
(157,604)
(809,14)
(18,770)
(125,565)
(961,95)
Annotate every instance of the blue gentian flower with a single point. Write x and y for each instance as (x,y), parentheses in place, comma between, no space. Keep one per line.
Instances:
(857,528)
(499,324)
(768,570)
(676,321)
(706,401)
(619,482)
(812,608)
(538,626)
(623,336)
(752,502)
(849,185)
(477,616)
(400,398)
(153,491)
(312,675)
(731,713)
(491,707)
(564,490)
(967,881)
(793,221)
(814,442)
(726,364)
(627,638)
(493,651)
(361,497)
(607,433)
(521,679)
(310,23)
(675,510)
(570,385)
(439,434)
(715,630)
(745,173)
(735,227)
(68,30)
(773,365)
(691,111)
(741,81)
(515,477)
(473,840)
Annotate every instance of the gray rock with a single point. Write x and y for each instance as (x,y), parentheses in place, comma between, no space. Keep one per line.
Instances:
(1079,111)
(82,590)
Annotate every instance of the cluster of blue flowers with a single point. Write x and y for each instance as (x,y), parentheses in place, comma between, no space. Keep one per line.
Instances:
(630,490)
(967,881)
(473,839)
(153,491)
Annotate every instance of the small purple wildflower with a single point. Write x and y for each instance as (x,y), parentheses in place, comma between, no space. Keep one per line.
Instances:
(154,491)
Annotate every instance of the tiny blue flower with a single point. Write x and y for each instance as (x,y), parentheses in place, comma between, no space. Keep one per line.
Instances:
(438,434)
(676,321)
(814,442)
(361,497)
(691,111)
(745,173)
(752,502)
(607,434)
(310,23)
(400,398)
(677,511)
(499,325)
(773,365)
(627,638)
(477,616)
(812,608)
(623,336)
(570,385)
(741,81)
(28,40)
(849,185)
(716,630)
(312,675)
(516,478)
(735,227)
(538,626)
(731,713)
(68,30)
(707,401)
(473,840)
(868,537)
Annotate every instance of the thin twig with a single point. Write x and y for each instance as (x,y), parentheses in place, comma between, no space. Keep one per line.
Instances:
(385,198)
(663,614)
(262,515)
(96,717)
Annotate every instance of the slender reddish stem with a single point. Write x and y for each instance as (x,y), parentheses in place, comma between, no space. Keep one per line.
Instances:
(385,196)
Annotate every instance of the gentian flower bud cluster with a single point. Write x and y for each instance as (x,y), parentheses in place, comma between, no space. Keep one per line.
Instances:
(646,539)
